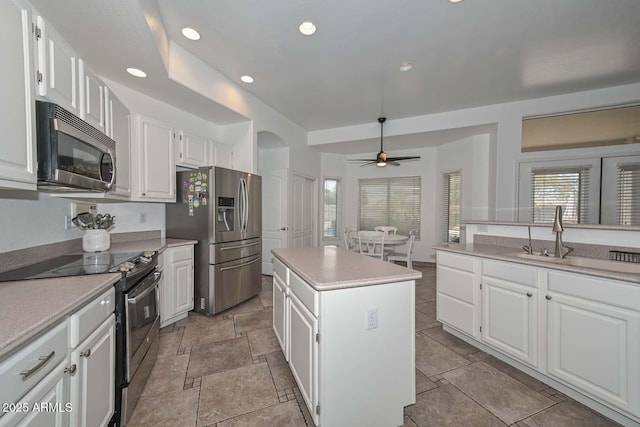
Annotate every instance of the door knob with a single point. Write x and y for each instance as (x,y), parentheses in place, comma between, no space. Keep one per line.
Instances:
(284,228)
(548,297)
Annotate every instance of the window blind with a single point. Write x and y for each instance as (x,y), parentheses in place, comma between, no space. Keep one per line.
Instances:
(565,186)
(451,207)
(390,201)
(628,197)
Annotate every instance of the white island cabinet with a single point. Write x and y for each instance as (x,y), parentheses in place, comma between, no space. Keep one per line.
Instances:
(346,325)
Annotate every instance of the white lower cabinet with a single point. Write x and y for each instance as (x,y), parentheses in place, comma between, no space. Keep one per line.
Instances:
(591,342)
(66,377)
(510,309)
(176,287)
(92,388)
(348,374)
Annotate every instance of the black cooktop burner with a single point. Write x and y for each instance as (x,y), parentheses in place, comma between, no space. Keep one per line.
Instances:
(71,265)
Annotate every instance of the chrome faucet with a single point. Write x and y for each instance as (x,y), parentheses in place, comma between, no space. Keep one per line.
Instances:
(561,250)
(528,248)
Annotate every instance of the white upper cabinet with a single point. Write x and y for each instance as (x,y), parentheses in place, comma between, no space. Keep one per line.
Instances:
(221,155)
(57,68)
(192,150)
(153,161)
(119,129)
(18,150)
(92,97)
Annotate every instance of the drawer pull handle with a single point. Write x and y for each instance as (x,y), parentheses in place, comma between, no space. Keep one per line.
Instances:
(548,297)
(71,370)
(43,361)
(529,294)
(86,353)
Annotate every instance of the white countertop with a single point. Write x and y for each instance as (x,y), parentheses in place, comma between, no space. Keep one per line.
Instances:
(502,253)
(329,268)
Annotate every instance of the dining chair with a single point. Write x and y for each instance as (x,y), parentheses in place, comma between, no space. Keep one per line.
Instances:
(408,257)
(347,235)
(371,243)
(387,229)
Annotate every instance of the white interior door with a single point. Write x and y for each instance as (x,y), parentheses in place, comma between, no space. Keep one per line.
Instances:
(274,215)
(302,211)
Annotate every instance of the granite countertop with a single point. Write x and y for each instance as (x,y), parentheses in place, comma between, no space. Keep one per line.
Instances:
(329,268)
(159,244)
(30,307)
(504,253)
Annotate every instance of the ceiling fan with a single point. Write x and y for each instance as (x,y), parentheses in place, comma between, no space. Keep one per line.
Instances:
(382,159)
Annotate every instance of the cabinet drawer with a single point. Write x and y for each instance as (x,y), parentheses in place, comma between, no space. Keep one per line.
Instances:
(598,289)
(458,314)
(305,293)
(179,253)
(90,317)
(38,359)
(459,262)
(457,284)
(511,272)
(281,270)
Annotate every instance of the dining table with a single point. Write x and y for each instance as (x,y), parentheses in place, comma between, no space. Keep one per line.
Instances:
(389,240)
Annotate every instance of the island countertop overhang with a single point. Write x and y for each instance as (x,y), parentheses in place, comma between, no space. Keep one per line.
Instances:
(330,268)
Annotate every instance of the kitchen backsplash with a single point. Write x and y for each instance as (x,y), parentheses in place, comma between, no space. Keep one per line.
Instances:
(29,219)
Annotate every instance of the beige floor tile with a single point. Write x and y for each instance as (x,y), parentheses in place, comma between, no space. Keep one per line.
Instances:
(423,383)
(195,318)
(266,298)
(508,399)
(168,410)
(428,308)
(219,356)
(282,377)
(231,393)
(207,331)
(525,379)
(169,344)
(408,423)
(448,407)
(568,414)
(248,306)
(424,321)
(254,320)
(276,358)
(282,415)
(434,358)
(451,342)
(425,294)
(262,341)
(167,376)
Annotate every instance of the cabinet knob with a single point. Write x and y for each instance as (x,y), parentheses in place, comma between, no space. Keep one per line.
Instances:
(548,297)
(86,353)
(71,370)
(529,294)
(144,194)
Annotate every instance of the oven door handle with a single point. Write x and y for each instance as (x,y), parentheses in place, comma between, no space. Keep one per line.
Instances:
(244,264)
(146,287)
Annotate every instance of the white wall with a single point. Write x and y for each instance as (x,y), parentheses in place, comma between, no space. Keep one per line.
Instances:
(273,158)
(33,219)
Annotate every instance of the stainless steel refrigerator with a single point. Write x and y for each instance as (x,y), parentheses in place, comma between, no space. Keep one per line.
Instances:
(222,209)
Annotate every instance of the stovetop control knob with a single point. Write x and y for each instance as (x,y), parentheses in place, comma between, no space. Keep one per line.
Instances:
(148,254)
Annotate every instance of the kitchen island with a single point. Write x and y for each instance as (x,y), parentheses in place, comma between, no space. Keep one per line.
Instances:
(346,326)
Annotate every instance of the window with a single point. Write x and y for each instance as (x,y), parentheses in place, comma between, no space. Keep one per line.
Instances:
(451,197)
(572,184)
(390,201)
(565,186)
(330,208)
(621,190)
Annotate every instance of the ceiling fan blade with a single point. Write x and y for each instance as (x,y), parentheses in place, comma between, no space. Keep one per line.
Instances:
(389,162)
(395,159)
(373,162)
(360,160)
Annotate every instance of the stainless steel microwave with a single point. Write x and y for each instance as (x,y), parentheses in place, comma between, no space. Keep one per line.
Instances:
(72,154)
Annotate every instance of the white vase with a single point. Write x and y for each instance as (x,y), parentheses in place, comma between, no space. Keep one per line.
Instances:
(96,240)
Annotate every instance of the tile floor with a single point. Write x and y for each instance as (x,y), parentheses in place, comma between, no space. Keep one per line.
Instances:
(228,370)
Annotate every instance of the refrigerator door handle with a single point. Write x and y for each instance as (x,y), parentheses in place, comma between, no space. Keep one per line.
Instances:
(228,248)
(245,206)
(244,264)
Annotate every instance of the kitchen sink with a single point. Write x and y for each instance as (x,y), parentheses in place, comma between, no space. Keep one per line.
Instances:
(597,263)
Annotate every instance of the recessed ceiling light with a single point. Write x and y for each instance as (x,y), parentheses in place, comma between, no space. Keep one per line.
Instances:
(190,33)
(406,66)
(247,79)
(307,28)
(136,72)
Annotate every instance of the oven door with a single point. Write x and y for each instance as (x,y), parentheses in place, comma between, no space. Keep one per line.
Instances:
(142,317)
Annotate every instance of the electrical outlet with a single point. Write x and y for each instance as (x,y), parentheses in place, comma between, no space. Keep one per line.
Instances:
(202,307)
(68,225)
(142,217)
(372,318)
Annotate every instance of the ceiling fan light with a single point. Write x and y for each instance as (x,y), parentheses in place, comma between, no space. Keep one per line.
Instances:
(381,164)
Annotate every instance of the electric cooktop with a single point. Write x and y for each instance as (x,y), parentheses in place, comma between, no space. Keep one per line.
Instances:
(74,265)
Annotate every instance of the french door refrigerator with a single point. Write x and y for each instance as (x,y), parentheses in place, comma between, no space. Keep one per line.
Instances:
(221,209)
